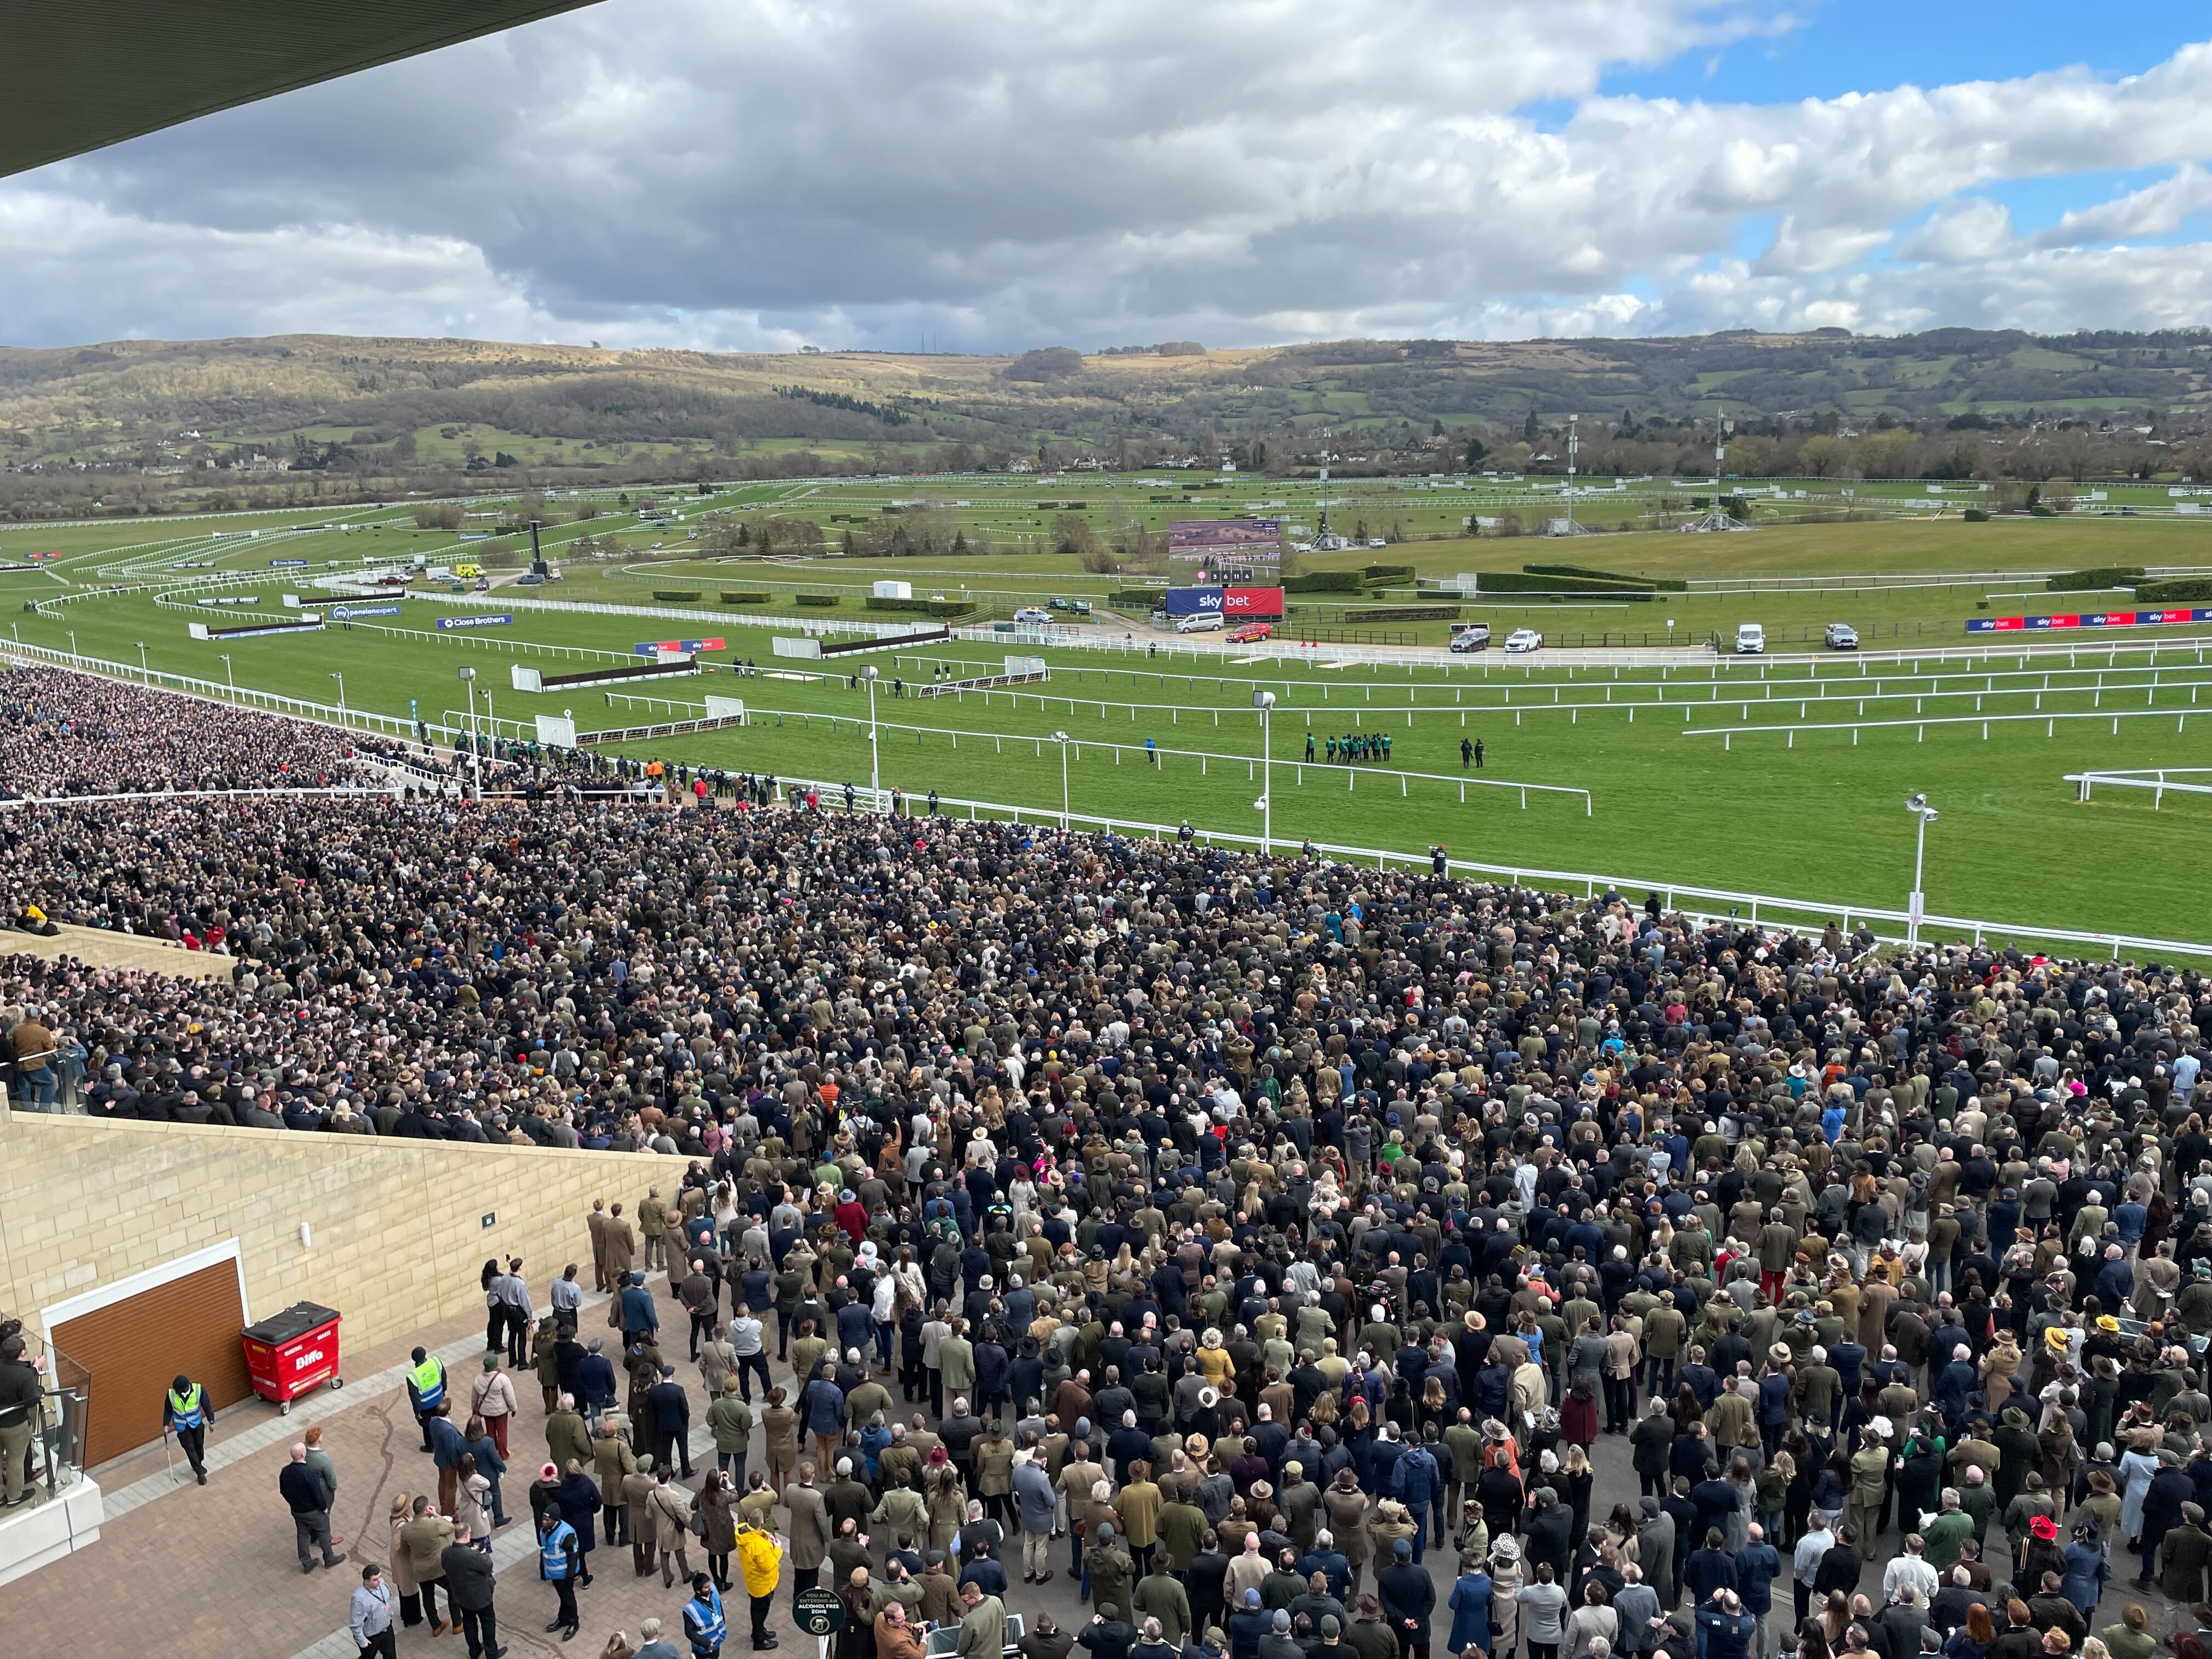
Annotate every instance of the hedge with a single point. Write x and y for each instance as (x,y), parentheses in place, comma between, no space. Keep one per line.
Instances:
(1507,582)
(729,597)
(2168,593)
(677,595)
(1660,584)
(925,607)
(1139,596)
(1976,515)
(817,599)
(1404,613)
(1382,573)
(1323,581)
(2102,576)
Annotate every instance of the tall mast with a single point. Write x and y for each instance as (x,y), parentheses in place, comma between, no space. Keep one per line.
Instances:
(1574,446)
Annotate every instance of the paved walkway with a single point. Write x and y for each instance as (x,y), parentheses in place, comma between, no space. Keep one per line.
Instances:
(191,1572)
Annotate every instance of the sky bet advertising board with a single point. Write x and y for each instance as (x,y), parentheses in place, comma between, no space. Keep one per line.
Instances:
(1228,602)
(2087,619)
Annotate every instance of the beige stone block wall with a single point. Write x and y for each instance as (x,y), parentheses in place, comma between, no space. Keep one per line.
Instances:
(395,1226)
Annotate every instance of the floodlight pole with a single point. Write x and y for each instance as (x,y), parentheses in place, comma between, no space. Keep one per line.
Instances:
(1066,815)
(230,673)
(476,745)
(1265,703)
(875,781)
(340,678)
(1923,814)
(1574,446)
(145,673)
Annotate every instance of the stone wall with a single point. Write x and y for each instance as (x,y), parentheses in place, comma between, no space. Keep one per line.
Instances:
(396,1226)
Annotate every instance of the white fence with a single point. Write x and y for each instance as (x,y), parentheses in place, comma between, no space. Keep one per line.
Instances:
(1712,904)
(1758,908)
(2161,781)
(1728,734)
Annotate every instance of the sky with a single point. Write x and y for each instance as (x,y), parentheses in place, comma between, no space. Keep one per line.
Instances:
(993,175)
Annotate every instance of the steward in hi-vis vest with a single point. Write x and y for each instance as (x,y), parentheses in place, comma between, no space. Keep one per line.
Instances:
(185,1410)
(426,1389)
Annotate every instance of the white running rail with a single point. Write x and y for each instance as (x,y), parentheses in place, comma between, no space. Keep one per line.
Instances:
(2161,781)
(1712,903)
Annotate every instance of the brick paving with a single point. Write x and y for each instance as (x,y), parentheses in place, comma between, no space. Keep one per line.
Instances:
(187,1572)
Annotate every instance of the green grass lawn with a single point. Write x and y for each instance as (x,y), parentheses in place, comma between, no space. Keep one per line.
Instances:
(1821,820)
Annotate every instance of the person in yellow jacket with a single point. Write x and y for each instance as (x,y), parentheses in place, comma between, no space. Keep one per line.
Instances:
(1214,1361)
(760,1564)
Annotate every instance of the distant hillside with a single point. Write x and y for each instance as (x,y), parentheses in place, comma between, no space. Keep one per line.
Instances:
(153,418)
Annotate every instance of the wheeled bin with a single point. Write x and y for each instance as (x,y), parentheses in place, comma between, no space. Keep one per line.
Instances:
(289,1354)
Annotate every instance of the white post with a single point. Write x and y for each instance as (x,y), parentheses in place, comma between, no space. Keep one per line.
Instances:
(1916,902)
(1919,862)
(468,676)
(875,784)
(1265,703)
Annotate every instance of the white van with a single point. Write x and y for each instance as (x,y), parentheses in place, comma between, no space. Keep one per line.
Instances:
(1204,621)
(1750,640)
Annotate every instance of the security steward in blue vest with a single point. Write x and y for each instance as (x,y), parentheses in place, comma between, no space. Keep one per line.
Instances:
(703,1623)
(186,1412)
(426,1389)
(560,1563)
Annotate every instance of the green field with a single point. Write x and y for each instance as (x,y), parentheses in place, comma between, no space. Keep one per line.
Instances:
(1818,817)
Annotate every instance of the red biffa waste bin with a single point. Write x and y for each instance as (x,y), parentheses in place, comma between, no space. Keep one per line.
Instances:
(289,1353)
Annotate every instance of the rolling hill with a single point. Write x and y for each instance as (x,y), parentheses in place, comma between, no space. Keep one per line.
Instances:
(154,417)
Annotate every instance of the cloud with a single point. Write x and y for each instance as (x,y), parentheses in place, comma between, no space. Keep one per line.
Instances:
(2154,211)
(1977,228)
(1819,247)
(733,174)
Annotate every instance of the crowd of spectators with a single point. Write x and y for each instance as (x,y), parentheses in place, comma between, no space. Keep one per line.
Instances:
(64,734)
(1331,1204)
